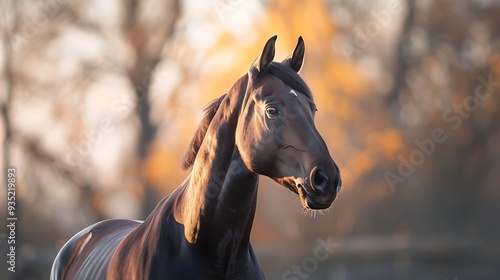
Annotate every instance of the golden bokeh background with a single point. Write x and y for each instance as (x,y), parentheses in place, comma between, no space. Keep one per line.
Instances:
(100,99)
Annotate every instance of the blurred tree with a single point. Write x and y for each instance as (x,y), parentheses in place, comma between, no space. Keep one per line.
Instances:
(447,78)
(76,82)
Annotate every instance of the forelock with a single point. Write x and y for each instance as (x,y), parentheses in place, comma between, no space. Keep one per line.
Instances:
(286,74)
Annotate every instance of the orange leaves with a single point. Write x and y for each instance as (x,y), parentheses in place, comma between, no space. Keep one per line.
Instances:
(346,78)
(359,163)
(388,143)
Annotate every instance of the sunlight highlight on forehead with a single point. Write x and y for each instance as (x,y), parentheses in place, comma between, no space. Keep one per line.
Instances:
(293,92)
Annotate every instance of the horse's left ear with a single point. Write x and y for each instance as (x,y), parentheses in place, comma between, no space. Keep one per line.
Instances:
(296,58)
(267,55)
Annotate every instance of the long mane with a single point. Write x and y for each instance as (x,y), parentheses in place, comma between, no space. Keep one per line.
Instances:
(199,135)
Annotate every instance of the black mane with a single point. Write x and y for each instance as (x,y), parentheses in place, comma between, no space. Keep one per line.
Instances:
(195,144)
(285,73)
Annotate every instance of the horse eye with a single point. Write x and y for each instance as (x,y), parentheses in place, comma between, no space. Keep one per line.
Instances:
(272,111)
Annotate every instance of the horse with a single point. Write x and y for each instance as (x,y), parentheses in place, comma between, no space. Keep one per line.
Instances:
(263,125)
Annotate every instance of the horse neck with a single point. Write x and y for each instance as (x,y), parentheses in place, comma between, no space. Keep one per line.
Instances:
(236,204)
(199,205)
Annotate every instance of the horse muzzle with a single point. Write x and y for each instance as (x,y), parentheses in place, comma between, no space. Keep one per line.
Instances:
(319,189)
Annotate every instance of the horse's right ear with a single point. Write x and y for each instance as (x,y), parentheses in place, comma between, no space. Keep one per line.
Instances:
(267,55)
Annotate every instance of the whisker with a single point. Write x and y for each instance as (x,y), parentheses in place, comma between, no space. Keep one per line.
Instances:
(314,213)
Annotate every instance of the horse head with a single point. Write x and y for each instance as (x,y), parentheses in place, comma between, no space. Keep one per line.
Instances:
(276,135)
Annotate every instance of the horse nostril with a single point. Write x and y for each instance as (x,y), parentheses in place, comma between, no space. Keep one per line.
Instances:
(319,180)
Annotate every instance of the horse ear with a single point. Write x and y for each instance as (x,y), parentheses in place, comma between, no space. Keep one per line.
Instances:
(296,59)
(267,55)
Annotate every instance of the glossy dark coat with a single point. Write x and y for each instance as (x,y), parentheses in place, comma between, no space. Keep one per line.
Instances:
(264,125)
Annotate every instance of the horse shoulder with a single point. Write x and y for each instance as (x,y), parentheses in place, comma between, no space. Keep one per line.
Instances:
(137,254)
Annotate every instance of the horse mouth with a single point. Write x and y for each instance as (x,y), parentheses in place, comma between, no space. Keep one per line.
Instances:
(307,201)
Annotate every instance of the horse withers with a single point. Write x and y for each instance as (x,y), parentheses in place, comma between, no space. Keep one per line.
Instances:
(263,125)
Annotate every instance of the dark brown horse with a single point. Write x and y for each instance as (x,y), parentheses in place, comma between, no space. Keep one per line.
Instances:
(263,125)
